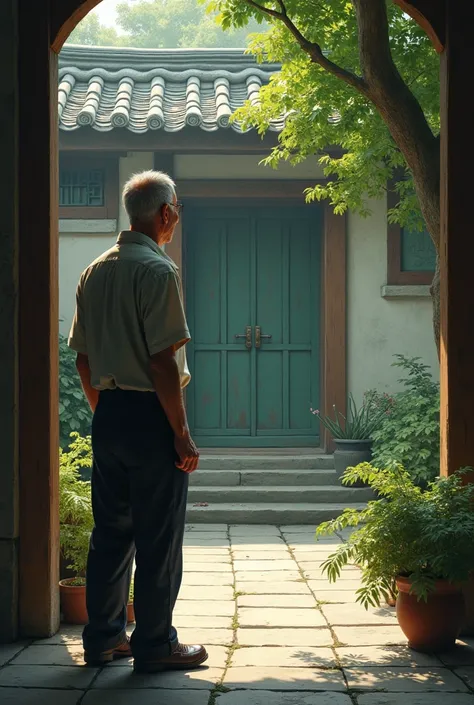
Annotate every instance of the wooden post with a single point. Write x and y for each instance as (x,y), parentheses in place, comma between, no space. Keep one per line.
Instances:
(38,330)
(334,316)
(457,247)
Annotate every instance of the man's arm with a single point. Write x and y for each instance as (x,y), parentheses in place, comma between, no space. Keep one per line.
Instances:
(92,394)
(167,383)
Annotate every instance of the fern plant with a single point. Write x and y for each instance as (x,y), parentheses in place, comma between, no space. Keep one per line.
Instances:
(75,505)
(423,535)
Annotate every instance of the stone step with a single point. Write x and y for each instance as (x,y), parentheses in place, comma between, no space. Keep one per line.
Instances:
(257,513)
(232,495)
(267,478)
(316,461)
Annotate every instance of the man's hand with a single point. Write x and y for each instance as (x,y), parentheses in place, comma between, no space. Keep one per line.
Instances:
(187,452)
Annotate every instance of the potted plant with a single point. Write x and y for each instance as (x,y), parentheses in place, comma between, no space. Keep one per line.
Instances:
(76,523)
(421,540)
(353,433)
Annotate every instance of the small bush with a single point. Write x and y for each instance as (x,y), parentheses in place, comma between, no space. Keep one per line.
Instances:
(74,411)
(409,432)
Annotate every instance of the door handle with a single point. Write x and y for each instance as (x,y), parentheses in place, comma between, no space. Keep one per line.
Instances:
(247,335)
(259,335)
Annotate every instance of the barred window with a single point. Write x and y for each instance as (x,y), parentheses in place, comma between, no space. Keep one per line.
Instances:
(81,187)
(418,253)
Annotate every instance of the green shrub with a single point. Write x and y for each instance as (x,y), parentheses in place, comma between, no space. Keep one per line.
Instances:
(74,411)
(409,432)
(421,535)
(75,506)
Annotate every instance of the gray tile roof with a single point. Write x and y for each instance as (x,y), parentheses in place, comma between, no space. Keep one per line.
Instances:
(142,89)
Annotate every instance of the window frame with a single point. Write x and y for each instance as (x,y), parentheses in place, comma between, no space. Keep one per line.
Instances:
(395,275)
(110,165)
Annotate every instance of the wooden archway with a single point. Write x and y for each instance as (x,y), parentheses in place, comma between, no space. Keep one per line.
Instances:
(43,27)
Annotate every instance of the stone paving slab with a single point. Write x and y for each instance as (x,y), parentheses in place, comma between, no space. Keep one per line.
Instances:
(316,551)
(208,637)
(258,543)
(370,636)
(25,696)
(207,536)
(267,576)
(346,575)
(221,553)
(291,601)
(188,621)
(248,697)
(208,578)
(204,528)
(318,585)
(217,658)
(415,699)
(66,635)
(350,656)
(205,566)
(236,530)
(264,566)
(285,617)
(64,655)
(47,677)
(212,592)
(403,680)
(191,542)
(273,678)
(336,596)
(140,697)
(125,679)
(284,637)
(196,608)
(467,674)
(461,655)
(357,615)
(285,657)
(273,555)
(282,587)
(8,651)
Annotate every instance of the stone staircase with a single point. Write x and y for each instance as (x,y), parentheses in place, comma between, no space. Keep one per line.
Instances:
(276,488)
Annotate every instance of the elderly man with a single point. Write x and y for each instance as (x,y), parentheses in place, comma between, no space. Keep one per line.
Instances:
(129,332)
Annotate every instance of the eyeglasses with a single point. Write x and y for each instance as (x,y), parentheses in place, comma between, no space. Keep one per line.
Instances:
(178,205)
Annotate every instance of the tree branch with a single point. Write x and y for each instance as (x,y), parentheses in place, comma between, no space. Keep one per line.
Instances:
(313,49)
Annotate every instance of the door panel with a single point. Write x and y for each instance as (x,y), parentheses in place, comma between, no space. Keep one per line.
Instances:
(253,266)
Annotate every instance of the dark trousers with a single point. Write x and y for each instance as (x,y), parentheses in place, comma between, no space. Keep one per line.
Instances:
(139,505)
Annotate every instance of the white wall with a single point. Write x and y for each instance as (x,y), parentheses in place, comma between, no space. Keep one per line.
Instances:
(378,328)
(240,166)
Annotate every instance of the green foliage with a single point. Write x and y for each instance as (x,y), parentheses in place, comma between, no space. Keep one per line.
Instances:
(409,432)
(423,535)
(161,24)
(360,424)
(75,507)
(74,411)
(322,110)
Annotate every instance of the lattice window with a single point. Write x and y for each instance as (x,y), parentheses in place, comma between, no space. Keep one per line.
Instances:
(81,188)
(418,253)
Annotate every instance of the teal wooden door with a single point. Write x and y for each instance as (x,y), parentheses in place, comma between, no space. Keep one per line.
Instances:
(253,269)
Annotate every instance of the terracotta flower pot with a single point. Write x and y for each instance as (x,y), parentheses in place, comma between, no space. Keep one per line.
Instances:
(433,625)
(73,602)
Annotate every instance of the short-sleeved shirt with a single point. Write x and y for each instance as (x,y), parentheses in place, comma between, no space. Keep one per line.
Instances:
(128,307)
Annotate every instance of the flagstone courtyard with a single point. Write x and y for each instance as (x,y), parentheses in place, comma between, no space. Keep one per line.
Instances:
(278,633)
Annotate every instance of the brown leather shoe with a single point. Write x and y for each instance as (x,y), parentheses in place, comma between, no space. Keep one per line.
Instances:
(100,658)
(183,659)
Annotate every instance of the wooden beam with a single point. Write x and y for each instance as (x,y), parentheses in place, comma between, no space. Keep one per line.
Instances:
(38,325)
(64,16)
(429,14)
(457,247)
(334,377)
(186,141)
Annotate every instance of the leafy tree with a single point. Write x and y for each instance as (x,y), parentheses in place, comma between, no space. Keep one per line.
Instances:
(359,74)
(161,24)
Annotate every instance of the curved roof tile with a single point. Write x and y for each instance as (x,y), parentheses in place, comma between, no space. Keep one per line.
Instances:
(141,89)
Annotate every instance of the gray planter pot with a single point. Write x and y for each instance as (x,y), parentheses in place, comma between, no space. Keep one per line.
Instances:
(349,453)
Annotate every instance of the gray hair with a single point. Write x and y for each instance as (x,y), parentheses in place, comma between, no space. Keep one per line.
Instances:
(145,193)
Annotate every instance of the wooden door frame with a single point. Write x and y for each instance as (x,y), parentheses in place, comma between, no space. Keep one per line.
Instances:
(333,370)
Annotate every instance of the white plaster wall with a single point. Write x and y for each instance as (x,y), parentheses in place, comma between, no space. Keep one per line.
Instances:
(378,328)
(131,164)
(240,166)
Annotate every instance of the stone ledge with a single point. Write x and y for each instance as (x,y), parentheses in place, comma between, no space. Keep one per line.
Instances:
(87,225)
(405,291)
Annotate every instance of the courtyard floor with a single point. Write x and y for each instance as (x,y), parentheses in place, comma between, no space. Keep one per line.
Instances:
(278,633)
